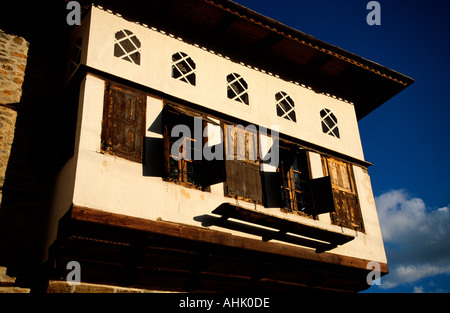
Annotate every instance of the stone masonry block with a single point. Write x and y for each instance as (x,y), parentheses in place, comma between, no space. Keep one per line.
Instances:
(13,60)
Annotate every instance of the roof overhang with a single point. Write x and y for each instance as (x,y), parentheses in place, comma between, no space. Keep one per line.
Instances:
(249,37)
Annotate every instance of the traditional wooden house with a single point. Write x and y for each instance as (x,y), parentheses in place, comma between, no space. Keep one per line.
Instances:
(214,149)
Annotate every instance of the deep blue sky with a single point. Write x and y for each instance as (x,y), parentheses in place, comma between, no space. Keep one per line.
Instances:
(407,137)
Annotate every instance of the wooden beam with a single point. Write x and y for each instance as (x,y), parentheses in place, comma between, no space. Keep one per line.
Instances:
(204,235)
(257,217)
(265,234)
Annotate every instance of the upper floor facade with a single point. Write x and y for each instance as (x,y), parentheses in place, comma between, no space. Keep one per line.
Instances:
(173,130)
(190,72)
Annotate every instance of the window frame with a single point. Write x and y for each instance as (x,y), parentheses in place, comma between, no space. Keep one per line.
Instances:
(232,80)
(120,51)
(284,97)
(177,73)
(210,171)
(180,163)
(290,192)
(183,175)
(110,122)
(326,117)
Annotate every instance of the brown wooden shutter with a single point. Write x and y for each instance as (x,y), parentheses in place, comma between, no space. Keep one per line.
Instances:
(348,212)
(123,122)
(243,180)
(242,167)
(347,209)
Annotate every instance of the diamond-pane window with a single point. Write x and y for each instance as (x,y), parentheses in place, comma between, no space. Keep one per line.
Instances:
(237,88)
(285,106)
(329,123)
(75,56)
(127,47)
(183,68)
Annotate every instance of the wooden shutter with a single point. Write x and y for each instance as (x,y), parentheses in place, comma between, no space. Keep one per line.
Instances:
(242,167)
(347,209)
(243,180)
(348,212)
(123,122)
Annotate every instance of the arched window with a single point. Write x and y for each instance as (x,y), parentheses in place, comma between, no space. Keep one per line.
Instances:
(285,106)
(237,88)
(183,68)
(127,46)
(329,123)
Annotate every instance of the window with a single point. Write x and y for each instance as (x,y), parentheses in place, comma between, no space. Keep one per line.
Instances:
(291,188)
(183,68)
(329,123)
(123,128)
(241,143)
(183,167)
(127,47)
(242,166)
(200,151)
(295,188)
(347,210)
(184,150)
(285,106)
(75,56)
(237,88)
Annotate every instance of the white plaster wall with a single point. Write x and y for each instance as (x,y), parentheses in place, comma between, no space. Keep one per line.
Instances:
(117,185)
(374,242)
(113,184)
(210,90)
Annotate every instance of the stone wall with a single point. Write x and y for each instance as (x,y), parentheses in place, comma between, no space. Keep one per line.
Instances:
(7,283)
(7,125)
(16,124)
(33,111)
(13,61)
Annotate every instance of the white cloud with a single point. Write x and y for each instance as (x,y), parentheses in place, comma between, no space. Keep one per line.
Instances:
(407,274)
(416,238)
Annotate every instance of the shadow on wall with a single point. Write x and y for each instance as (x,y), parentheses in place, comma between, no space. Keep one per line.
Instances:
(42,141)
(266,234)
(153,163)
